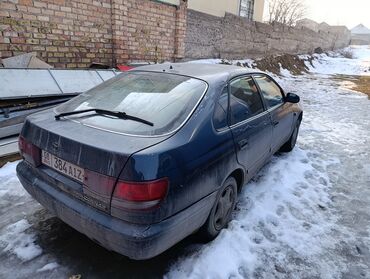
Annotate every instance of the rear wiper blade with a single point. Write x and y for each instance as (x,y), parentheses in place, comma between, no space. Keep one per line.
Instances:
(119,114)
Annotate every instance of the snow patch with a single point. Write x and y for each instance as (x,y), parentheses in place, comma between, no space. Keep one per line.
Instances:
(285,72)
(48,267)
(9,182)
(17,241)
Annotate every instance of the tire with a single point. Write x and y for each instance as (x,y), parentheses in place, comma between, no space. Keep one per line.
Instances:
(289,145)
(221,211)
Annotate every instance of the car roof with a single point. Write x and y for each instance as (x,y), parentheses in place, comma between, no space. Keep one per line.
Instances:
(207,72)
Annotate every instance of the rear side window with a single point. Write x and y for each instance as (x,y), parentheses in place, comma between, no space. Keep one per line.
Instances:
(270,91)
(220,114)
(245,100)
(167,100)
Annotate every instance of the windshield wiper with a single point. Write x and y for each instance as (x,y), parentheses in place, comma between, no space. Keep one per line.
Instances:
(119,114)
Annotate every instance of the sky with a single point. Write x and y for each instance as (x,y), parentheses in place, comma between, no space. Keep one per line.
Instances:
(336,12)
(339,12)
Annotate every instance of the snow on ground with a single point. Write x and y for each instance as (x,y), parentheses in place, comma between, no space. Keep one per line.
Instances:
(286,224)
(305,215)
(335,64)
(281,209)
(8,179)
(13,237)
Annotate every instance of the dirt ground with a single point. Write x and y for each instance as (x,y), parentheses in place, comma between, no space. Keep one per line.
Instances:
(10,158)
(360,83)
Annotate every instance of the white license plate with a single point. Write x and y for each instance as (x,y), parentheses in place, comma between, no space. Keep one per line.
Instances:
(62,166)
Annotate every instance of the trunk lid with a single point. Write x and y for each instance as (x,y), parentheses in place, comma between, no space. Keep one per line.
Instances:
(96,151)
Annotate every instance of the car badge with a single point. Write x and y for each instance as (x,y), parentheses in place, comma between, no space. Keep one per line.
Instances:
(55,145)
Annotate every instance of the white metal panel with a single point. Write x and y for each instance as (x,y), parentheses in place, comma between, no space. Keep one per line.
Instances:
(76,81)
(8,146)
(105,75)
(15,83)
(26,82)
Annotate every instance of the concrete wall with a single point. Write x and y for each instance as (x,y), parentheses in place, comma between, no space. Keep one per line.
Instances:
(75,33)
(360,39)
(234,37)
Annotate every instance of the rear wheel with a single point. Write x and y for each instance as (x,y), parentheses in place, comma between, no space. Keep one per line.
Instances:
(221,211)
(289,145)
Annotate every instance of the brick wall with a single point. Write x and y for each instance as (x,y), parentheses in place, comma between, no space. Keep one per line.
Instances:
(148,30)
(75,33)
(64,33)
(234,37)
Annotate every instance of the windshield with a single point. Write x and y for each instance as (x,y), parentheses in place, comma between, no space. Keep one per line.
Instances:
(164,99)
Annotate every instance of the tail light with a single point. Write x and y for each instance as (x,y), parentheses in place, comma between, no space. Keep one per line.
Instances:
(29,152)
(127,195)
(139,195)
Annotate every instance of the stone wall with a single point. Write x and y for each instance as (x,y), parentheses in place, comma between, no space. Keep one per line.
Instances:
(75,33)
(234,37)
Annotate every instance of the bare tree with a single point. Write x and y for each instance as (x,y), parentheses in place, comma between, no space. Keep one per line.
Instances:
(287,12)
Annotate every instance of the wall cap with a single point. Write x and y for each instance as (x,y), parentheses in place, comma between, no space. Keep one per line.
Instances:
(170,2)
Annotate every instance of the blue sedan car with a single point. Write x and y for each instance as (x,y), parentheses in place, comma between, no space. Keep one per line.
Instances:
(157,153)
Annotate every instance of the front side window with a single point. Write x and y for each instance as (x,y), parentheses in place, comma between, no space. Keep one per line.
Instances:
(164,99)
(270,91)
(245,100)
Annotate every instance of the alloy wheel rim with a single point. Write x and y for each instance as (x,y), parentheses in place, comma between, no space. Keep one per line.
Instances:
(224,208)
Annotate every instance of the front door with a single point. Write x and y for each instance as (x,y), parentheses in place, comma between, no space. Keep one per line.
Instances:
(281,115)
(250,124)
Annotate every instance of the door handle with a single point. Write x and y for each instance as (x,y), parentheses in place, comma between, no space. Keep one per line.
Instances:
(243,143)
(275,123)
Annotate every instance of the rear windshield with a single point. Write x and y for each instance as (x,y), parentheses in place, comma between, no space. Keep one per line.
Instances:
(166,100)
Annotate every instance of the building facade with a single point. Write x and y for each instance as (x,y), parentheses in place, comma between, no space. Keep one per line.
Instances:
(251,9)
(360,35)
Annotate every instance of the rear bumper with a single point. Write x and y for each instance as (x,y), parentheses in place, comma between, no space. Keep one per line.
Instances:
(132,240)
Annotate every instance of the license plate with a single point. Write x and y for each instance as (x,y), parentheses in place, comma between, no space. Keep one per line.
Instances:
(62,166)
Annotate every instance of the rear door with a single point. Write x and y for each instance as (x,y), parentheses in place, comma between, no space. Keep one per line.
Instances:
(250,124)
(281,115)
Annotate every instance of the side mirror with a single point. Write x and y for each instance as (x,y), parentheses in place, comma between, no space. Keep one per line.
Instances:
(292,98)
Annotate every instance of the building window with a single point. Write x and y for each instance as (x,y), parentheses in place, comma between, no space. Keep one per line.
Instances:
(247,8)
